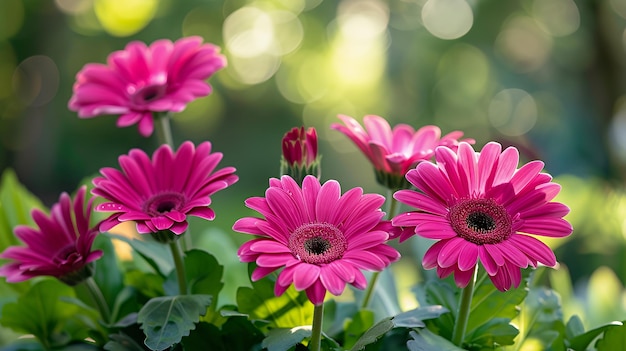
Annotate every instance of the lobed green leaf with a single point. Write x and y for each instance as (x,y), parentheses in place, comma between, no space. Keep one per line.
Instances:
(165,320)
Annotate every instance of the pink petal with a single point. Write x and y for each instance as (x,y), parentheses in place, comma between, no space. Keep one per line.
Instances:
(305,276)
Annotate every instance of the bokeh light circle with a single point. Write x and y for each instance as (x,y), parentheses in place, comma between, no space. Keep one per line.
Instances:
(447,19)
(513,112)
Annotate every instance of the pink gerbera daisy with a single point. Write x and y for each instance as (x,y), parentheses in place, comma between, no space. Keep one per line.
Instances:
(394,151)
(59,247)
(140,80)
(481,207)
(322,238)
(159,194)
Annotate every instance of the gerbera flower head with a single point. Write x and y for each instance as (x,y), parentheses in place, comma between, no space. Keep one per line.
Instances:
(393,152)
(159,193)
(300,156)
(141,79)
(482,208)
(321,238)
(60,246)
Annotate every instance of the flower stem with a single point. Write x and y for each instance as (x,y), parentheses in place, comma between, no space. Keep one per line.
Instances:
(163,129)
(393,204)
(98,298)
(462,316)
(316,331)
(177,255)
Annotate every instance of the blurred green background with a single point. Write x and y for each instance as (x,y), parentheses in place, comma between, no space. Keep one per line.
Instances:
(548,76)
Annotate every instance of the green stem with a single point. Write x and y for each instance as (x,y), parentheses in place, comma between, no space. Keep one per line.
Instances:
(316,331)
(177,255)
(163,129)
(462,316)
(393,205)
(98,298)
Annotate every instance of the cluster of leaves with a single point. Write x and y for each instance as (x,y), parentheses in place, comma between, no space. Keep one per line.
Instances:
(147,313)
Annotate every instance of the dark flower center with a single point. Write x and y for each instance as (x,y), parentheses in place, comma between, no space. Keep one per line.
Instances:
(480,221)
(67,256)
(163,203)
(148,93)
(317,243)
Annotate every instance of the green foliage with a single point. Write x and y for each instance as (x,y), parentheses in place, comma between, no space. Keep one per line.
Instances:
(576,337)
(43,312)
(16,204)
(425,340)
(356,326)
(282,339)
(541,320)
(291,309)
(409,319)
(155,254)
(165,320)
(614,339)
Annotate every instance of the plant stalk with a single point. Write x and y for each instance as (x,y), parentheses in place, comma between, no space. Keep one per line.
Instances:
(316,331)
(463,312)
(177,255)
(98,298)
(393,205)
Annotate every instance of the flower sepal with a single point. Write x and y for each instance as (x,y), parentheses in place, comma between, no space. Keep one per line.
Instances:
(76,277)
(299,171)
(392,181)
(165,236)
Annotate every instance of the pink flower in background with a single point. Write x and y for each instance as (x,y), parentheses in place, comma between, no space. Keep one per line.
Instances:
(159,193)
(300,146)
(59,247)
(140,80)
(322,239)
(300,156)
(481,207)
(394,151)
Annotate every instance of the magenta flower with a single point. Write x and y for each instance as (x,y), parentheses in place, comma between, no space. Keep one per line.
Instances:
(300,156)
(322,238)
(481,207)
(59,247)
(140,80)
(159,194)
(394,151)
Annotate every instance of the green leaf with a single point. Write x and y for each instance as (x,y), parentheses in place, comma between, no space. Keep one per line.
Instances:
(409,319)
(574,327)
(373,334)
(42,312)
(165,320)
(204,274)
(542,319)
(356,326)
(155,254)
(107,273)
(240,334)
(335,315)
(441,293)
(496,332)
(292,308)
(16,204)
(147,283)
(122,342)
(414,318)
(581,341)
(425,340)
(489,303)
(205,335)
(614,338)
(282,339)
